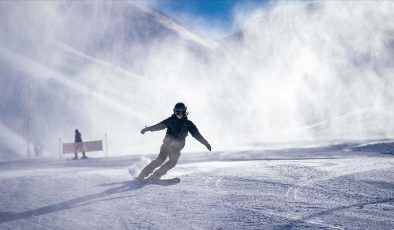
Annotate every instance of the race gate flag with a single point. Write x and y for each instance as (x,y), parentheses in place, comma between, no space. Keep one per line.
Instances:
(88,146)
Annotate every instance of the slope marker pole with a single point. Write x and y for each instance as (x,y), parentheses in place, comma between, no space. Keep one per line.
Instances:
(106,145)
(60,149)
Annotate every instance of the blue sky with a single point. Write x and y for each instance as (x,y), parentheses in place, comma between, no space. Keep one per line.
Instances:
(213,18)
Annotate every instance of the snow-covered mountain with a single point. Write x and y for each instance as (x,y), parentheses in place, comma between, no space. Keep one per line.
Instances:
(59,60)
(301,72)
(314,70)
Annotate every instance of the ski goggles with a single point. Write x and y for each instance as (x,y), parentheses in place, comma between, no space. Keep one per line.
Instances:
(179,112)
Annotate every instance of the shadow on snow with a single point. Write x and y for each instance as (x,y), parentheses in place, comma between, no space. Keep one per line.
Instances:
(122,187)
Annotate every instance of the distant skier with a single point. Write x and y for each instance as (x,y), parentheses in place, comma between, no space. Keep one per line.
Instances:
(177,127)
(79,147)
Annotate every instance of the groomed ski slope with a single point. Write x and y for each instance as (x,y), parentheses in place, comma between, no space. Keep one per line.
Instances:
(345,186)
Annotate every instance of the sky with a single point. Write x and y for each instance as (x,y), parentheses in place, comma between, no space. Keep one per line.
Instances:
(212,18)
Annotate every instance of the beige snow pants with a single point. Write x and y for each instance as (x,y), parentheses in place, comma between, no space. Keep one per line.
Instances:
(166,150)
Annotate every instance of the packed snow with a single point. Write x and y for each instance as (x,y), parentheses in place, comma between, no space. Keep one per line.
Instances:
(339,186)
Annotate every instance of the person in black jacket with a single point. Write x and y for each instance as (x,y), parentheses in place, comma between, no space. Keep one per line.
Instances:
(78,145)
(178,127)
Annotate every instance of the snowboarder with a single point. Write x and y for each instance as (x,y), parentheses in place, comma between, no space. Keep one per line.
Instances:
(177,127)
(78,145)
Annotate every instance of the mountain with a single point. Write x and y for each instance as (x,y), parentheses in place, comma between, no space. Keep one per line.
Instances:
(61,62)
(298,72)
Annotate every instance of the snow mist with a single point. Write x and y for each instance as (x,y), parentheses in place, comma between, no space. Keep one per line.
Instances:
(295,72)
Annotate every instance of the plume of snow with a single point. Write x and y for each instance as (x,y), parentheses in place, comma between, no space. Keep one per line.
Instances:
(296,71)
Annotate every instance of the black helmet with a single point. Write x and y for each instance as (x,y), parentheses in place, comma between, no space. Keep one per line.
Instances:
(180,108)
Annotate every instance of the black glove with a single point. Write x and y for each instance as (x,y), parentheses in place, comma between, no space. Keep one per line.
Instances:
(144,130)
(208,147)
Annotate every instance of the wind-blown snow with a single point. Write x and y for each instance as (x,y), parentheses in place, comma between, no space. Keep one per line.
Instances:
(331,187)
(312,71)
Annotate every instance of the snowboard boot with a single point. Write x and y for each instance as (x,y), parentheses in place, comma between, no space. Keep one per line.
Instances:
(75,157)
(140,177)
(84,157)
(153,178)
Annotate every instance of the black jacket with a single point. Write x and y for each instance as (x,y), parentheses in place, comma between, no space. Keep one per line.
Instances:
(177,130)
(78,137)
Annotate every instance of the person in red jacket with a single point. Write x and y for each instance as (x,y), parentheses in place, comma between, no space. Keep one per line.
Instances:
(178,127)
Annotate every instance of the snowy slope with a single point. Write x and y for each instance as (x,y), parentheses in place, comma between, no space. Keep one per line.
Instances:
(330,187)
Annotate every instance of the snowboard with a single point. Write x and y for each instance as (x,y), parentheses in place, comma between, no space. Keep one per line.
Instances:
(75,159)
(170,181)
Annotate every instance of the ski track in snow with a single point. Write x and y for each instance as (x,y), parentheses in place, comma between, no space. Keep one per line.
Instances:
(338,171)
(345,190)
